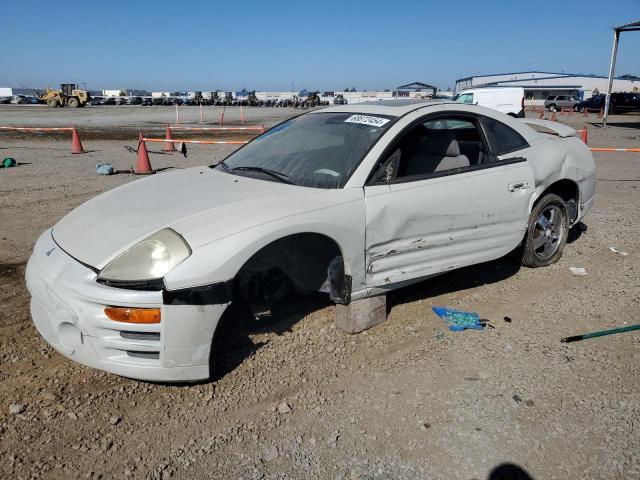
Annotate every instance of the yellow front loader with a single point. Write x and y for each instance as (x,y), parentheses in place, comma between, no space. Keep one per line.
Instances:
(67,96)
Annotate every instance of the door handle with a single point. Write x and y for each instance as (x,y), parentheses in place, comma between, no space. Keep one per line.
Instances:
(523,185)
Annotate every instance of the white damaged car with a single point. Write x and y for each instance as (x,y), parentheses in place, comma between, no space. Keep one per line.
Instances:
(352,200)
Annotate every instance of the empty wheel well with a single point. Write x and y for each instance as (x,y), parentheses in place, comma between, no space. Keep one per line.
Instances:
(304,262)
(567,190)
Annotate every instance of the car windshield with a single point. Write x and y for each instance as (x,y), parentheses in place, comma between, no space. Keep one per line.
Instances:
(318,150)
(464,98)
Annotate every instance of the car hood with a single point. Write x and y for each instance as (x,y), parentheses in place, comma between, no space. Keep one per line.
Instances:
(201,204)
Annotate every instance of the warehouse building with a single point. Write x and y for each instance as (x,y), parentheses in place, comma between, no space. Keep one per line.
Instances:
(538,85)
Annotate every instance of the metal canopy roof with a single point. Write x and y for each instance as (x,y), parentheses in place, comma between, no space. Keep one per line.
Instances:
(415,86)
(629,27)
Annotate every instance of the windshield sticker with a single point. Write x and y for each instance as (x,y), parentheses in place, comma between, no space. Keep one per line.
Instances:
(367,120)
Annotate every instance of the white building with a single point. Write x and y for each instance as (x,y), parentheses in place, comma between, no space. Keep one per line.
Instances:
(357,97)
(538,85)
(114,93)
(350,97)
(264,96)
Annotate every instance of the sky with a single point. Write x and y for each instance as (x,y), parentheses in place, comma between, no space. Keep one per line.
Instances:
(329,45)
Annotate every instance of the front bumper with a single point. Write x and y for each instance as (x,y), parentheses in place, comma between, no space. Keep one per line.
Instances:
(67,308)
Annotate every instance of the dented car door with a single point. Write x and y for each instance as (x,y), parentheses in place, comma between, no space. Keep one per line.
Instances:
(417,227)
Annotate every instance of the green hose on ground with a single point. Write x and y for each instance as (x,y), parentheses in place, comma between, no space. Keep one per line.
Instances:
(601,333)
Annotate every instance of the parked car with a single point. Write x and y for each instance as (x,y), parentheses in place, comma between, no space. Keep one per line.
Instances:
(27,100)
(147,101)
(509,100)
(109,101)
(96,101)
(353,201)
(558,102)
(5,100)
(619,102)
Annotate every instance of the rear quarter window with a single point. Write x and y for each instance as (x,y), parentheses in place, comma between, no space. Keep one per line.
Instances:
(502,138)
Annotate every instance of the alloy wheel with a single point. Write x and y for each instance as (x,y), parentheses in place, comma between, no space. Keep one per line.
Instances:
(548,232)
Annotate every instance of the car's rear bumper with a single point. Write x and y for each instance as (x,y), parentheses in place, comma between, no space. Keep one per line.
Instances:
(67,307)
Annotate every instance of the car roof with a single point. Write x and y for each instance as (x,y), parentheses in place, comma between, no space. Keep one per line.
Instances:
(398,108)
(393,108)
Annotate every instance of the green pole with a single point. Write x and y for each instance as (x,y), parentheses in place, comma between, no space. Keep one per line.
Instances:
(601,333)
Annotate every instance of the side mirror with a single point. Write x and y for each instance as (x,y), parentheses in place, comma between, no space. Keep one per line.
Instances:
(389,169)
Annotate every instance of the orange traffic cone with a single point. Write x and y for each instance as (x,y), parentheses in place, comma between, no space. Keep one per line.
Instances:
(168,147)
(554,118)
(583,137)
(542,113)
(76,146)
(143,166)
(585,112)
(601,113)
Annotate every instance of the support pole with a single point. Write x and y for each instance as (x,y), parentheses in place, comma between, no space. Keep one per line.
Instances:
(612,68)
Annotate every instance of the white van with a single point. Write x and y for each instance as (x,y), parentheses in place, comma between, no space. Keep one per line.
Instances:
(509,100)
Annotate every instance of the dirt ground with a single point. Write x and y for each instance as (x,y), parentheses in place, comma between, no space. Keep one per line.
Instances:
(295,398)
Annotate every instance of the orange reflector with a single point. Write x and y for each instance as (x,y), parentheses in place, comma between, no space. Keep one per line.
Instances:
(133,315)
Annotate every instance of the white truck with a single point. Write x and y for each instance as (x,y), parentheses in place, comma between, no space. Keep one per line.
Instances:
(509,100)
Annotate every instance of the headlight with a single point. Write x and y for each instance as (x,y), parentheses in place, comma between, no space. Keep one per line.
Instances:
(151,259)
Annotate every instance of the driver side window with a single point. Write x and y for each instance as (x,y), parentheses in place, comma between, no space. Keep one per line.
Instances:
(444,144)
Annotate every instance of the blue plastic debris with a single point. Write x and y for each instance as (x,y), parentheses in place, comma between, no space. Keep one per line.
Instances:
(8,163)
(458,320)
(104,169)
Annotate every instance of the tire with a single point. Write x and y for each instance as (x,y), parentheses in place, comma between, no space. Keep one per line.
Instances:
(545,239)
(52,102)
(552,108)
(73,102)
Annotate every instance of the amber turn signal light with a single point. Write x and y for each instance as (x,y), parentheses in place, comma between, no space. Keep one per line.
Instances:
(133,315)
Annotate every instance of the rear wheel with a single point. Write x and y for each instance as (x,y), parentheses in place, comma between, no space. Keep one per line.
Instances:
(546,233)
(73,102)
(552,108)
(52,102)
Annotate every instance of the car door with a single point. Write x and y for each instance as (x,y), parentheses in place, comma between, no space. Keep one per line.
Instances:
(420,223)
